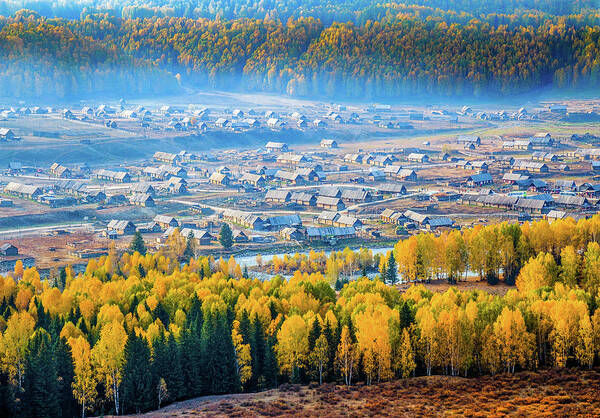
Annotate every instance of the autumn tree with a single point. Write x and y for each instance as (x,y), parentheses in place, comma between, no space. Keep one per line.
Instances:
(13,345)
(84,384)
(108,357)
(319,356)
(292,346)
(407,362)
(347,356)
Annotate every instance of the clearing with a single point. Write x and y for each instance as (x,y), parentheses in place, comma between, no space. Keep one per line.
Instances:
(545,393)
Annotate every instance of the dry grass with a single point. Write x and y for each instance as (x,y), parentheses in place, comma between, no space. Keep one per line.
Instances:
(546,393)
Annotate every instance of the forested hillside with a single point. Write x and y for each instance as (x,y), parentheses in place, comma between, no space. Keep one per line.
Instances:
(358,11)
(398,55)
(135,331)
(40,58)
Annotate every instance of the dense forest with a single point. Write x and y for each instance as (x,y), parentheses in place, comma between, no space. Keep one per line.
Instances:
(397,55)
(357,11)
(138,330)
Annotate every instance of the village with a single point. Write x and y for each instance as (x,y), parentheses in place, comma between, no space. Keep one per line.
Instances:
(283,195)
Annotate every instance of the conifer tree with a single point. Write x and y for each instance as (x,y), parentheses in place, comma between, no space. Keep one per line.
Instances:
(65,371)
(391,270)
(62,279)
(226,236)
(218,356)
(245,327)
(271,367)
(191,356)
(314,334)
(257,352)
(137,243)
(138,385)
(40,380)
(7,396)
(174,373)
(189,251)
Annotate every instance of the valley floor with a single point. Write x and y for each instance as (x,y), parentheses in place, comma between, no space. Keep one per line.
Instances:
(545,393)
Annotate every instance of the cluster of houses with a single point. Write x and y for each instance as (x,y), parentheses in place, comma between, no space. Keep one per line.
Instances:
(533,204)
(328,198)
(410,219)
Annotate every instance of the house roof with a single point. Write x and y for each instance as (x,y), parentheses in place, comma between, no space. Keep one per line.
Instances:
(284,220)
(392,188)
(415,216)
(302,197)
(164,219)
(218,177)
(272,144)
(253,178)
(328,201)
(440,222)
(278,194)
(328,216)
(480,178)
(570,200)
(525,203)
(330,191)
(120,224)
(347,220)
(355,194)
(326,232)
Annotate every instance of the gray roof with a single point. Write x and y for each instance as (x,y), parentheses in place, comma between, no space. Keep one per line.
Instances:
(355,194)
(326,200)
(524,203)
(278,194)
(481,177)
(330,191)
(164,219)
(327,232)
(286,175)
(415,216)
(347,220)
(440,222)
(328,216)
(392,188)
(570,200)
(120,224)
(285,220)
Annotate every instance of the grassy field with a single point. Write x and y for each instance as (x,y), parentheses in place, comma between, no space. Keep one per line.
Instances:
(547,393)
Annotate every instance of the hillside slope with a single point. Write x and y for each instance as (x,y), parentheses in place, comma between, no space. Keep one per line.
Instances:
(545,393)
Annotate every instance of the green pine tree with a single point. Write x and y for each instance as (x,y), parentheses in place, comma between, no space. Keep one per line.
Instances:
(65,371)
(41,395)
(138,384)
(257,352)
(407,316)
(271,367)
(191,357)
(137,244)
(392,270)
(314,333)
(190,248)
(218,356)
(226,236)
(174,373)
(245,327)
(62,279)
(8,407)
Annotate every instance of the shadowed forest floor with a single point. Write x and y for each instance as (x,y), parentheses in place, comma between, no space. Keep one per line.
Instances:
(545,393)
